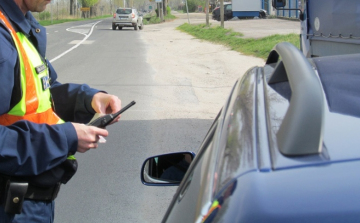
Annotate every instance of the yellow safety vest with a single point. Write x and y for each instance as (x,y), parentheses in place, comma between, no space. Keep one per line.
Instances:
(35,103)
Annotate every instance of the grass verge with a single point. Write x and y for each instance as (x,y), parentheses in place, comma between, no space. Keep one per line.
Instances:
(58,21)
(153,19)
(248,46)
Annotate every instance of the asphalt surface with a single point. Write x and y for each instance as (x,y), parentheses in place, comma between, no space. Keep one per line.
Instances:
(179,83)
(169,116)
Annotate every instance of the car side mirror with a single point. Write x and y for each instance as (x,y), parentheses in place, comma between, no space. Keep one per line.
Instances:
(166,170)
(278,3)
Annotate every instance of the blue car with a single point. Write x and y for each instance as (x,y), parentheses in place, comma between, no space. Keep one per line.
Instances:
(284,147)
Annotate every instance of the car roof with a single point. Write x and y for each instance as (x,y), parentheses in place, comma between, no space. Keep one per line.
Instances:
(340,79)
(257,183)
(256,124)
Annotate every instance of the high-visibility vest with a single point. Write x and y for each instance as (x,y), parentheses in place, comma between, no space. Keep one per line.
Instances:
(35,103)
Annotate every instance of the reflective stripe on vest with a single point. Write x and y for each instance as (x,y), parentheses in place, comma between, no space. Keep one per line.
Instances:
(35,103)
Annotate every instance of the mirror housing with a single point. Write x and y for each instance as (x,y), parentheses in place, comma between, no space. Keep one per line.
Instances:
(278,3)
(166,169)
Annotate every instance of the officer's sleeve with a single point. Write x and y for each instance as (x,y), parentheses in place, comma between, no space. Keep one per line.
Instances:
(72,102)
(29,149)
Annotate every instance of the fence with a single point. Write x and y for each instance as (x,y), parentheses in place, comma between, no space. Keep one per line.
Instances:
(294,14)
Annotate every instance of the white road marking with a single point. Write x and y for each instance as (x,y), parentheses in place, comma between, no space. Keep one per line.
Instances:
(78,29)
(87,42)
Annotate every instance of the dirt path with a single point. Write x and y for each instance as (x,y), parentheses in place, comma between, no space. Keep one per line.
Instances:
(195,76)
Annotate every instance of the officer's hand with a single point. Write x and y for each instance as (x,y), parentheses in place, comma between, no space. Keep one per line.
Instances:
(106,104)
(88,136)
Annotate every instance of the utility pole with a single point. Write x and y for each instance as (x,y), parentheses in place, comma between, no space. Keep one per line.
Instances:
(207,13)
(164,7)
(76,8)
(51,12)
(161,11)
(57,10)
(158,9)
(222,13)
(187,11)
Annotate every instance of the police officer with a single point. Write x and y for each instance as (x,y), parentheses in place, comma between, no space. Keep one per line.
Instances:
(40,118)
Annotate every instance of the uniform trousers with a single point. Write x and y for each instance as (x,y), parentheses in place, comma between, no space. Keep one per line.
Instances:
(32,211)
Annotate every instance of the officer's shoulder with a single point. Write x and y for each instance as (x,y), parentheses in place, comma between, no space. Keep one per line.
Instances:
(7,48)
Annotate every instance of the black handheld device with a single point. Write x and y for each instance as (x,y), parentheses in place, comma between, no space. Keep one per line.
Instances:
(103,121)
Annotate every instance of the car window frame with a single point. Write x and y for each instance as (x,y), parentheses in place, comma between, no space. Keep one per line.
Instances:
(125,10)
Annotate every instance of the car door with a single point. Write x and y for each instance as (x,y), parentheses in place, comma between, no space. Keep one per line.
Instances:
(194,191)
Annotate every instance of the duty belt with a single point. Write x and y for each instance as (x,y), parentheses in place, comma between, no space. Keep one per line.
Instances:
(14,192)
(43,194)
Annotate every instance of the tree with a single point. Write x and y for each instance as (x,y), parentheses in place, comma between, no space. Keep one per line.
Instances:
(89,3)
(164,4)
(71,6)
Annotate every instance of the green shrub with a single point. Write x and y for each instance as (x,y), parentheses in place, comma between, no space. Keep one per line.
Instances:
(168,10)
(153,20)
(193,5)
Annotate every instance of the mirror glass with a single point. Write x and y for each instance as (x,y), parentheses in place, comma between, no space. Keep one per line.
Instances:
(166,169)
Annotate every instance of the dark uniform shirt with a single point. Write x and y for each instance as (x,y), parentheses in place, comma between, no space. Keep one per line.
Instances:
(27,148)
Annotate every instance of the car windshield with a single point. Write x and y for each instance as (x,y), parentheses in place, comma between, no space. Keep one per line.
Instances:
(123,11)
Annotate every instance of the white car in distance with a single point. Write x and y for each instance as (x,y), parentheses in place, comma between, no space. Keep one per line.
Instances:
(127,17)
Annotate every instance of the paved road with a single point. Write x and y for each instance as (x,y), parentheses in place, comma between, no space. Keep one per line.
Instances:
(179,83)
(107,186)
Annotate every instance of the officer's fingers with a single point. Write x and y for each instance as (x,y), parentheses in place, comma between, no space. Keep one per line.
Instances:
(105,103)
(97,102)
(99,132)
(93,145)
(115,104)
(88,136)
(89,133)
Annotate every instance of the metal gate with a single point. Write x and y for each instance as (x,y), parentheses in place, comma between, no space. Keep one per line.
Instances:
(293,4)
